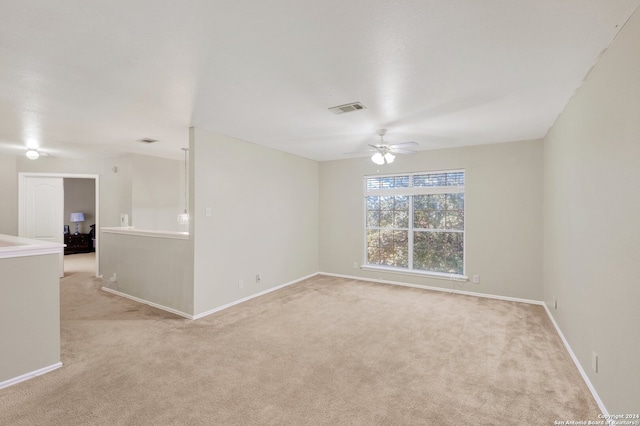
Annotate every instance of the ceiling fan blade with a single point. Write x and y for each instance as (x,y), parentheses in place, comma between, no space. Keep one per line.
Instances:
(404,144)
(360,153)
(366,152)
(402,151)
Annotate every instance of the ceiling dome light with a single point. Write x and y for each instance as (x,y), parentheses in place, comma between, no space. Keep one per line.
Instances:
(32,154)
(378,158)
(389,157)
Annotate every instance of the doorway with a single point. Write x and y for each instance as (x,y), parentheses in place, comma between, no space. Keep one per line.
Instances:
(42,213)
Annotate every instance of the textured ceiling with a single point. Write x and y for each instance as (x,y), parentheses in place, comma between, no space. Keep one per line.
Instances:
(79,78)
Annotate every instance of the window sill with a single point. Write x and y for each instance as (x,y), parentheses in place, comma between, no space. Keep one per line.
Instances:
(435,275)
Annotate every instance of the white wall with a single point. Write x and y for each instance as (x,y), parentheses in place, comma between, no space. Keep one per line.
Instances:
(115,186)
(8,195)
(80,196)
(115,191)
(148,189)
(592,229)
(137,185)
(157,192)
(29,314)
(156,269)
(503,215)
(264,218)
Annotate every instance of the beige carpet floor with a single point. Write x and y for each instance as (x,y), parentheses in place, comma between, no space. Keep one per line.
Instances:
(325,351)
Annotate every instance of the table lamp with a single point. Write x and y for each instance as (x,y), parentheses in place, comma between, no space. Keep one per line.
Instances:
(76,218)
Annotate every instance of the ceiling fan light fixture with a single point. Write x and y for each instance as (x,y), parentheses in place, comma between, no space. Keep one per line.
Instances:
(183,218)
(389,157)
(378,158)
(32,154)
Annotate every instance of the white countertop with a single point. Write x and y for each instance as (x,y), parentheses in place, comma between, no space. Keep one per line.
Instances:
(130,230)
(12,246)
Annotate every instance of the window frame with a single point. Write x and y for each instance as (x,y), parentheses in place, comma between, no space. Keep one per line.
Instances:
(412,191)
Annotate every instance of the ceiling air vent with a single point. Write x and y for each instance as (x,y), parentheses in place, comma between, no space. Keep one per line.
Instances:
(147,140)
(341,109)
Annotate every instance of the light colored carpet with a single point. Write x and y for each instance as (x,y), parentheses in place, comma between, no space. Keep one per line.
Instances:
(325,351)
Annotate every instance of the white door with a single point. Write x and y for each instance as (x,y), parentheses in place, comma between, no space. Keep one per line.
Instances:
(42,210)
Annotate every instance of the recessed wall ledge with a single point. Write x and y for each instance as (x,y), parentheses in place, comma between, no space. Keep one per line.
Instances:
(130,230)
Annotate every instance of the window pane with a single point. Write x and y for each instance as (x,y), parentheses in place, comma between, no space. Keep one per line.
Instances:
(372,183)
(401,214)
(439,179)
(386,203)
(373,218)
(401,219)
(388,182)
(401,182)
(373,256)
(401,257)
(428,211)
(401,202)
(394,250)
(373,238)
(438,251)
(419,250)
(454,219)
(386,239)
(454,243)
(386,218)
(435,219)
(455,201)
(436,241)
(419,202)
(455,179)
(373,203)
(455,263)
(454,211)
(427,254)
(436,201)
(420,219)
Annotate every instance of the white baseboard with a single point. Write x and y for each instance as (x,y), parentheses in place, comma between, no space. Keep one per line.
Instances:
(30,375)
(146,302)
(577,363)
(228,305)
(445,290)
(211,311)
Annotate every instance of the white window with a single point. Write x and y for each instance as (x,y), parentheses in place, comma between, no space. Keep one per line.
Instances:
(415,221)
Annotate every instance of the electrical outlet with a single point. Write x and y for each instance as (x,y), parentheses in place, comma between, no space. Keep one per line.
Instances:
(594,361)
(476,279)
(258,278)
(207,211)
(240,284)
(355,265)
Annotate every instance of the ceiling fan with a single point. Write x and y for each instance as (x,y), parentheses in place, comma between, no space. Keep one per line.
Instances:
(385,153)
